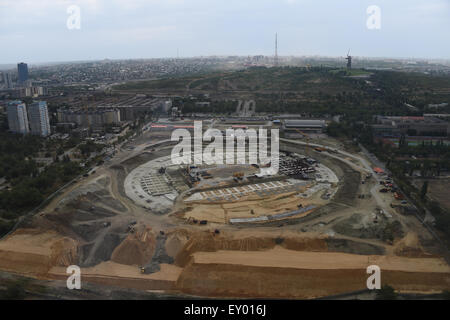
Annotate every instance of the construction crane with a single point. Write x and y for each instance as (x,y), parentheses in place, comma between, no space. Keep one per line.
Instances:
(349,60)
(307,140)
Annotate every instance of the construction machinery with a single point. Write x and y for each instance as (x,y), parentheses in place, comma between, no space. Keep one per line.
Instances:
(238,174)
(307,140)
(349,60)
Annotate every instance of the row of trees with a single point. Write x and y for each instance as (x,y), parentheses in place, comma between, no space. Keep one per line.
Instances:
(31,191)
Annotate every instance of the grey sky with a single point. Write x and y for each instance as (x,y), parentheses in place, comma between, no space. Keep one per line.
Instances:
(35,30)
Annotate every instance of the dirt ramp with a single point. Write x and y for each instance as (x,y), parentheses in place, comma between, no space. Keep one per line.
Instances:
(410,246)
(136,249)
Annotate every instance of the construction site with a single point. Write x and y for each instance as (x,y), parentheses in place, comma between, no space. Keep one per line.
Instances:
(232,231)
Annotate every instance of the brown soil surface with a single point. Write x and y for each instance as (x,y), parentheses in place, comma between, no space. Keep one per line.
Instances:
(281,273)
(218,280)
(136,249)
(245,241)
(175,242)
(409,246)
(30,251)
(222,211)
(283,258)
(111,273)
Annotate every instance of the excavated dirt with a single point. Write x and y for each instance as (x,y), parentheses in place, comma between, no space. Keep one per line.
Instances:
(281,273)
(253,240)
(410,246)
(175,242)
(31,251)
(89,230)
(137,249)
(363,227)
(350,246)
(247,207)
(114,274)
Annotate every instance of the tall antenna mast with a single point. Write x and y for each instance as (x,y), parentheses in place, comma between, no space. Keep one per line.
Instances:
(276,50)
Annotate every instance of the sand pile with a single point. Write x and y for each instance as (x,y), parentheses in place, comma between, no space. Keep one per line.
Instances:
(136,249)
(175,242)
(32,251)
(64,252)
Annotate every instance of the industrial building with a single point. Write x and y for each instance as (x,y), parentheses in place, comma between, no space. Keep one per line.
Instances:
(292,127)
(411,126)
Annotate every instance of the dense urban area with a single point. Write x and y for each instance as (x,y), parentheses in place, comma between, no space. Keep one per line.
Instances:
(86,178)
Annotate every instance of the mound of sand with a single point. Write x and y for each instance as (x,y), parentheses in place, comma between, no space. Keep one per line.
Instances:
(136,249)
(175,242)
(33,251)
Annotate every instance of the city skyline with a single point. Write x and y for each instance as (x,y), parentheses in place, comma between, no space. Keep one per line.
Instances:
(157,29)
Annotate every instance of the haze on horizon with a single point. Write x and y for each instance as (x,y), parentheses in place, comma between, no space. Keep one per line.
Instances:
(35,31)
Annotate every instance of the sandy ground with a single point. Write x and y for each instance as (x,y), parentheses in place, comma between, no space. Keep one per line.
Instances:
(111,269)
(283,258)
(110,273)
(30,251)
(223,211)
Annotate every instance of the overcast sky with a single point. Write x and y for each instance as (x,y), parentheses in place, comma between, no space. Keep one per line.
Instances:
(36,30)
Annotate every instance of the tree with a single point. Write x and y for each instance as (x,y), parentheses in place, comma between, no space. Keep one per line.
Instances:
(446,295)
(386,293)
(424,190)
(14,291)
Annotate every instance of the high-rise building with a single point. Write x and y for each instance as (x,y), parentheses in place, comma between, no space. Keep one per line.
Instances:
(8,80)
(17,117)
(22,70)
(39,119)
